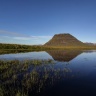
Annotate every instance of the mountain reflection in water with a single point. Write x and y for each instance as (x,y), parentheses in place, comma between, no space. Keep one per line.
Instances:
(63,55)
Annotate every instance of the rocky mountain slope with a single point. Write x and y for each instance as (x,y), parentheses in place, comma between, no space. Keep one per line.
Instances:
(64,40)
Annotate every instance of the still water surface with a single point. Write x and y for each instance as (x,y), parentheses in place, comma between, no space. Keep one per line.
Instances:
(73,73)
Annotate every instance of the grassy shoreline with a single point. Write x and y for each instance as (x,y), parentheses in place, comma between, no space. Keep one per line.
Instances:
(16,48)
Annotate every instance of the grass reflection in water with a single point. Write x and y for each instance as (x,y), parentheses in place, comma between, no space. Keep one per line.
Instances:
(22,78)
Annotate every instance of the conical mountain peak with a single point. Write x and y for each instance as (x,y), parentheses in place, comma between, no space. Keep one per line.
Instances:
(65,39)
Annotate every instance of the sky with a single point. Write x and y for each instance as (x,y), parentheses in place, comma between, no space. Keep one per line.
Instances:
(34,22)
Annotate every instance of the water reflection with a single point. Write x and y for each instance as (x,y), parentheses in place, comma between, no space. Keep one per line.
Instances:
(27,55)
(63,55)
(50,79)
(58,55)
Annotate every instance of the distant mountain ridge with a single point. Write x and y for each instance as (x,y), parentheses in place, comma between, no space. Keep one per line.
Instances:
(89,43)
(65,39)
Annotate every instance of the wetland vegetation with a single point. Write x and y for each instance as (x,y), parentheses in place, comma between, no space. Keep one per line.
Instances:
(24,78)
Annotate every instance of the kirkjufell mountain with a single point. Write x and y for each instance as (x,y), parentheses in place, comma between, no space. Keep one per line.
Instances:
(64,40)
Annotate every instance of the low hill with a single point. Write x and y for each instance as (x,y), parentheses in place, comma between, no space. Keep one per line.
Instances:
(64,40)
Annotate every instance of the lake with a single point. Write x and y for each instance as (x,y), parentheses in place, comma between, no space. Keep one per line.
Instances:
(71,73)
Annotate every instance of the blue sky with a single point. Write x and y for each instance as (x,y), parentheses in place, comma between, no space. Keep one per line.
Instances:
(36,21)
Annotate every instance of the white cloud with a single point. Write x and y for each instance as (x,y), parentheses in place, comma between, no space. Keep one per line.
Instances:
(32,37)
(21,38)
(38,37)
(6,36)
(13,37)
(3,32)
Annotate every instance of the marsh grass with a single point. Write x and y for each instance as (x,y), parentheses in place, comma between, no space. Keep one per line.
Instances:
(22,65)
(17,80)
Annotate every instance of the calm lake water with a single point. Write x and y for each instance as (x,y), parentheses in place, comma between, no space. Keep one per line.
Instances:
(73,73)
